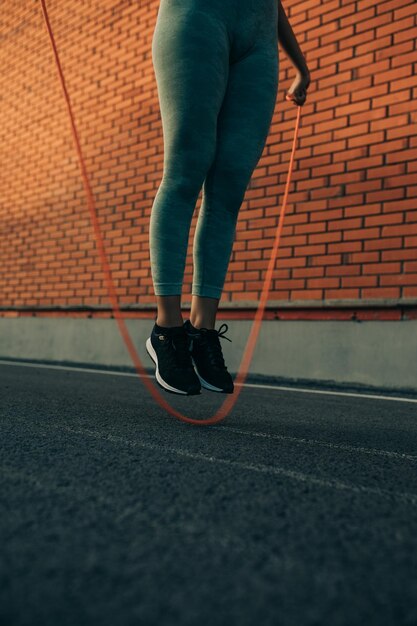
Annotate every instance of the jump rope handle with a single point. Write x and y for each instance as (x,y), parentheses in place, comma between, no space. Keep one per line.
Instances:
(290,97)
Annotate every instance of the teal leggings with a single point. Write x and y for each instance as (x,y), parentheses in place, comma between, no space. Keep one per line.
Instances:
(216,68)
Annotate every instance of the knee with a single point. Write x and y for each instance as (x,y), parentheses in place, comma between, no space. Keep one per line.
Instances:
(228,186)
(184,177)
(182,186)
(189,153)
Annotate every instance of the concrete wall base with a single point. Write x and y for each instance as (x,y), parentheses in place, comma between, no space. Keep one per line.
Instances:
(374,354)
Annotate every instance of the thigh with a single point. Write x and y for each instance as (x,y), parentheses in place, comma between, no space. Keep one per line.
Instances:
(190,52)
(244,120)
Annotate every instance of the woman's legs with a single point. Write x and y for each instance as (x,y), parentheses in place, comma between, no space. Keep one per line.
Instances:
(243,126)
(203,311)
(169,311)
(190,51)
(216,111)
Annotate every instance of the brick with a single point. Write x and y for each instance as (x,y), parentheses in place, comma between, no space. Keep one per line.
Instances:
(402,155)
(386,170)
(348,246)
(326,192)
(330,169)
(310,250)
(366,164)
(292,262)
(361,233)
(411,216)
(350,109)
(307,294)
(326,215)
(404,131)
(367,139)
(298,283)
(308,271)
(410,266)
(404,181)
(389,147)
(391,99)
(325,237)
(323,283)
(399,205)
(399,230)
(381,292)
(342,293)
(343,270)
(365,186)
(398,279)
(345,201)
(385,194)
(404,83)
(351,131)
(367,116)
(409,292)
(382,268)
(383,244)
(364,257)
(347,177)
(327,260)
(389,122)
(394,255)
(359,281)
(383,219)
(309,228)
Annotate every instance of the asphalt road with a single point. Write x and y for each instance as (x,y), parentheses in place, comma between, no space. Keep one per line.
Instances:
(299,509)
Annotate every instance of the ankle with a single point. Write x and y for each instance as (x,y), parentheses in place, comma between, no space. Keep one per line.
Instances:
(201,323)
(169,322)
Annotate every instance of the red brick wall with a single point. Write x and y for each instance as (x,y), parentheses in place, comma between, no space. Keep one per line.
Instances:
(350,230)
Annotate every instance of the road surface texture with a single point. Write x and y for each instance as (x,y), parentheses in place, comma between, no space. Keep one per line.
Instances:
(299,509)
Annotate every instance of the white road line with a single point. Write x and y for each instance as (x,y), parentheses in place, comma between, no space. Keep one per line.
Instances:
(315,442)
(409,498)
(371,451)
(253,385)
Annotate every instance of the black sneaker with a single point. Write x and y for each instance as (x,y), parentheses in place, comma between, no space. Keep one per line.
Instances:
(168,348)
(207,356)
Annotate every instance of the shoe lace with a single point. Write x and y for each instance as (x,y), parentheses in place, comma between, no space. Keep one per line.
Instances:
(213,346)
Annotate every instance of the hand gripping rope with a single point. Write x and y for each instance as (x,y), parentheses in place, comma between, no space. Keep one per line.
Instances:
(231,399)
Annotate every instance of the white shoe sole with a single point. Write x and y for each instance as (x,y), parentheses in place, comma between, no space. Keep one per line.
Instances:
(161,381)
(203,382)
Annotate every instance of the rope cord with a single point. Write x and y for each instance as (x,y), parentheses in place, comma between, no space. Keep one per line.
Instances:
(231,399)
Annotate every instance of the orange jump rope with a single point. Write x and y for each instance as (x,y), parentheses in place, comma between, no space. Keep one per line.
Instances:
(231,399)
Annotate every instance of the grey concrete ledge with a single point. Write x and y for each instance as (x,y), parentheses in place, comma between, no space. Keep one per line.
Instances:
(340,354)
(241,304)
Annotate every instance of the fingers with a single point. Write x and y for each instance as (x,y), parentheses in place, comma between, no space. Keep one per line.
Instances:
(298,97)
(302,98)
